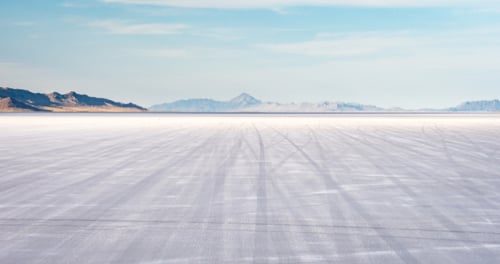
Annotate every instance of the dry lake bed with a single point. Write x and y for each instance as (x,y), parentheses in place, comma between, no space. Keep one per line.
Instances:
(179,188)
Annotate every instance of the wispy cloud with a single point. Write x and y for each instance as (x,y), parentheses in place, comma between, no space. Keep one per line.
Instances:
(287,3)
(120,27)
(389,43)
(163,53)
(488,10)
(24,23)
(347,45)
(192,52)
(219,33)
(72,4)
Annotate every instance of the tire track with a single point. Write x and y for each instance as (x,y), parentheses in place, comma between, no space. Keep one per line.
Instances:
(261,237)
(396,246)
(444,220)
(112,200)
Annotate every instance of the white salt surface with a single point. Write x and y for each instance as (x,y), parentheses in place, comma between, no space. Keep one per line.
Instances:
(159,188)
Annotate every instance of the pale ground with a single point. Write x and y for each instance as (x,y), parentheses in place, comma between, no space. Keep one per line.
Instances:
(159,188)
(102,109)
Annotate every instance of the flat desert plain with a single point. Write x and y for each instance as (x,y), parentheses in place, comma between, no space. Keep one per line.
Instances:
(179,188)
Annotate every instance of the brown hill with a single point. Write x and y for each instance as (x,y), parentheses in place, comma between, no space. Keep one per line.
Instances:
(11,105)
(19,100)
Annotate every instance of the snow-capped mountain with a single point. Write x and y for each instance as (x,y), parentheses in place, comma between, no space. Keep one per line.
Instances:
(238,103)
(312,107)
(247,103)
(244,100)
(478,106)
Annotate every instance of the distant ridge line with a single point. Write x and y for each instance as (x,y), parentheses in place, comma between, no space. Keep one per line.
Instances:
(20,100)
(253,105)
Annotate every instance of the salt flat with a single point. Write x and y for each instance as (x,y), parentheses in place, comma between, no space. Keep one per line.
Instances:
(160,188)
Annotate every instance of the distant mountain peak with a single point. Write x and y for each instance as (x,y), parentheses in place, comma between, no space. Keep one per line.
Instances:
(245,99)
(247,103)
(243,95)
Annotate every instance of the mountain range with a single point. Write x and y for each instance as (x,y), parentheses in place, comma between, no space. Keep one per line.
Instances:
(19,100)
(247,103)
(243,101)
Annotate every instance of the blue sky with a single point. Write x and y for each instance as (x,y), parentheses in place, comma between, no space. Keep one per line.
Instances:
(404,53)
